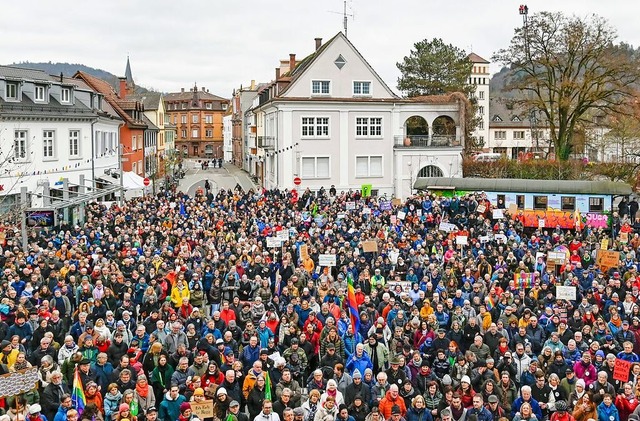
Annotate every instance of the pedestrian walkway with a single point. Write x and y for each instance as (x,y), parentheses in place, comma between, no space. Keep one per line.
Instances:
(226,178)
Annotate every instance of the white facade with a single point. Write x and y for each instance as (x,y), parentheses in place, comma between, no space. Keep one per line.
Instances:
(480,78)
(333,121)
(227,145)
(50,129)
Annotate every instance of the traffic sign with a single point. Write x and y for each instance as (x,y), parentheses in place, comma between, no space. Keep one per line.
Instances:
(146,181)
(297,181)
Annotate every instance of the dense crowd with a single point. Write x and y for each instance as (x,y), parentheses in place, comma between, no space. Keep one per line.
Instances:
(170,301)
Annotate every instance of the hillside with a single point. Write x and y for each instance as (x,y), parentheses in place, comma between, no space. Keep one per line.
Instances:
(69,69)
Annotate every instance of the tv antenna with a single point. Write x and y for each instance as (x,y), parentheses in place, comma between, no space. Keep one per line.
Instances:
(345,15)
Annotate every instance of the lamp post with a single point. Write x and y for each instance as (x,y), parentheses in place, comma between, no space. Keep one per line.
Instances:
(524,12)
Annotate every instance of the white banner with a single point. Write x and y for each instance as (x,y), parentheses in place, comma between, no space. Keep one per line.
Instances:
(565,293)
(447,227)
(274,242)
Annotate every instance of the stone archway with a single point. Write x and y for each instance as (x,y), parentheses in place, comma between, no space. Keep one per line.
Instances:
(430,171)
(443,131)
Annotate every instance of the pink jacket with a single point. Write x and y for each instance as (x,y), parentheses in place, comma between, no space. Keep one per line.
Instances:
(588,374)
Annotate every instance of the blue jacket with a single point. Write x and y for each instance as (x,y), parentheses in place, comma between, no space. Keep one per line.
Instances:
(24,332)
(422,415)
(103,374)
(169,409)
(350,342)
(249,355)
(482,415)
(61,415)
(605,413)
(361,364)
(534,406)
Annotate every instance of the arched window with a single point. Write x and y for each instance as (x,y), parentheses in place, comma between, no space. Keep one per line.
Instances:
(430,171)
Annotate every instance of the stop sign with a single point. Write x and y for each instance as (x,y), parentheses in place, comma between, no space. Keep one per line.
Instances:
(297,181)
(146,181)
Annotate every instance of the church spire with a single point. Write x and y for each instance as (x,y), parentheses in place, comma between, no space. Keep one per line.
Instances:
(127,73)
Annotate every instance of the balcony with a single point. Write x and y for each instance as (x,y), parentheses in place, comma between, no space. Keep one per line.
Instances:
(424,141)
(266,142)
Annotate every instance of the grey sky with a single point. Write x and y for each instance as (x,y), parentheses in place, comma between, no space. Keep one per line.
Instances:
(222,44)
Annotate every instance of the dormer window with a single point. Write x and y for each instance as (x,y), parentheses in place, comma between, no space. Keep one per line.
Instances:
(515,118)
(208,106)
(65,95)
(12,91)
(40,93)
(496,119)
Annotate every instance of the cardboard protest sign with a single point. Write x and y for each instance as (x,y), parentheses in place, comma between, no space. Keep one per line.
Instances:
(604,244)
(327,260)
(608,258)
(304,252)
(370,246)
(202,410)
(481,209)
(396,202)
(624,237)
(621,370)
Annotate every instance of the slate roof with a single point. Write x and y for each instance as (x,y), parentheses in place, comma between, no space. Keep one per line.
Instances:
(474,58)
(27,108)
(188,96)
(149,123)
(516,117)
(12,72)
(150,100)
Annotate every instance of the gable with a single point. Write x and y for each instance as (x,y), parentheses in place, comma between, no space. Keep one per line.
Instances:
(339,63)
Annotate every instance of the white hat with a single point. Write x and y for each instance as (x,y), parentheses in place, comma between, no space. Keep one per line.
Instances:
(465,379)
(34,409)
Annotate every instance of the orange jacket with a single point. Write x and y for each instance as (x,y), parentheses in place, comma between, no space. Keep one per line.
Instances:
(386,404)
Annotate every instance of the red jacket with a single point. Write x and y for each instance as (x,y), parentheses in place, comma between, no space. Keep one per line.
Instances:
(386,404)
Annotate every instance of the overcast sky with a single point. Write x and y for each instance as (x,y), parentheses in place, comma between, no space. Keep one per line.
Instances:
(223,44)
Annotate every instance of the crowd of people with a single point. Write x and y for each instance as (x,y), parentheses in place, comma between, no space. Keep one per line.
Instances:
(170,301)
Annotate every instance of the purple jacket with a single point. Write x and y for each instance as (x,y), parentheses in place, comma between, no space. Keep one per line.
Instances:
(588,374)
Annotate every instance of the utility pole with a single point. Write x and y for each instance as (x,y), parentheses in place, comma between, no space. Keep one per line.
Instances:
(345,16)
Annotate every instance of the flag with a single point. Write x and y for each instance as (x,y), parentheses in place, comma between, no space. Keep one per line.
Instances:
(77,394)
(267,385)
(352,303)
(523,280)
(183,210)
(491,303)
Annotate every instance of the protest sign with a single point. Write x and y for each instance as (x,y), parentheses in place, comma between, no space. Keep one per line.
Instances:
(557,257)
(386,205)
(366,211)
(462,240)
(202,410)
(624,237)
(447,227)
(604,244)
(304,252)
(498,214)
(19,382)
(621,370)
(370,246)
(396,202)
(401,215)
(540,223)
(283,234)
(608,258)
(483,238)
(350,206)
(513,209)
(327,260)
(481,209)
(274,242)
(565,292)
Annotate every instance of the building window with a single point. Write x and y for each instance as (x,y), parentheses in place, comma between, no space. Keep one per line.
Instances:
(208,119)
(208,106)
(481,125)
(183,119)
(568,203)
(496,118)
(316,167)
(209,133)
(12,91)
(194,118)
(369,166)
(369,126)
(596,204)
(20,144)
(362,88)
(481,95)
(500,135)
(320,87)
(430,171)
(183,105)
(520,201)
(65,95)
(48,143)
(540,202)
(518,135)
(183,134)
(481,110)
(74,143)
(315,126)
(134,143)
(39,93)
(194,133)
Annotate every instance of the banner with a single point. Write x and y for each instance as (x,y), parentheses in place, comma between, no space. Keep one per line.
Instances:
(621,370)
(608,258)
(447,227)
(498,214)
(384,206)
(370,246)
(462,240)
(274,242)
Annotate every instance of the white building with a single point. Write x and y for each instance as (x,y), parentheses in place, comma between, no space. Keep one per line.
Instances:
(480,78)
(52,128)
(331,120)
(227,144)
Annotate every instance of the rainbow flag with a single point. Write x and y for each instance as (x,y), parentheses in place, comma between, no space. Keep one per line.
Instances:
(523,280)
(77,394)
(267,385)
(490,303)
(352,304)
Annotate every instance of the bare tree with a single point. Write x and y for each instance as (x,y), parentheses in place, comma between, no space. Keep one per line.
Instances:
(569,67)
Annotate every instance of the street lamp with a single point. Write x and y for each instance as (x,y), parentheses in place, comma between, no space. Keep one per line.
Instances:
(524,12)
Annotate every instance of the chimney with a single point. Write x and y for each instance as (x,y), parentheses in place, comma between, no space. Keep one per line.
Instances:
(123,87)
(318,43)
(292,62)
(203,90)
(181,89)
(277,73)
(253,84)
(61,77)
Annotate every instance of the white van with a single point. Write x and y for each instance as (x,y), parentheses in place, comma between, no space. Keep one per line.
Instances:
(487,157)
